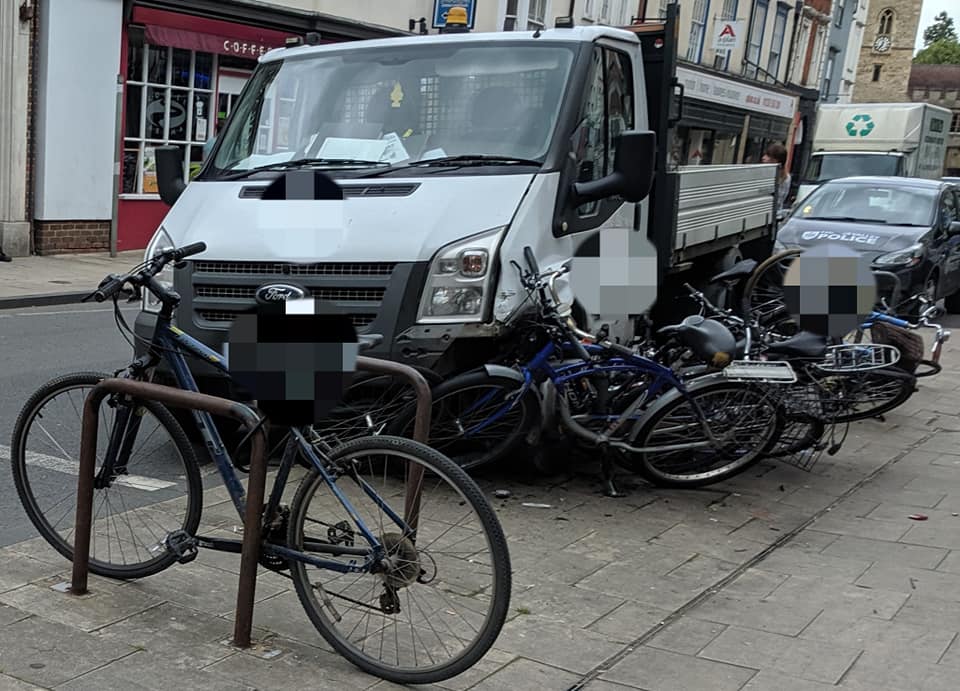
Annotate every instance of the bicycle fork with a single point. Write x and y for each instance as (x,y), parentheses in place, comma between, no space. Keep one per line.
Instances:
(126,425)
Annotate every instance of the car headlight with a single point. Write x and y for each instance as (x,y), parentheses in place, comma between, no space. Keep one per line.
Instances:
(458,284)
(160,242)
(908,256)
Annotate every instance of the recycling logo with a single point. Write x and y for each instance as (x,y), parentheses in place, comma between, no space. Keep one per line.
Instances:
(861,125)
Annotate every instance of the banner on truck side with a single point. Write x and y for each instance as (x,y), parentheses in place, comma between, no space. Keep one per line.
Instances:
(726,34)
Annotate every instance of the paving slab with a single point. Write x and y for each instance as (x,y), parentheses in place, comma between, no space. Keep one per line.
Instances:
(662,670)
(559,645)
(686,635)
(800,658)
(46,653)
(147,671)
(527,674)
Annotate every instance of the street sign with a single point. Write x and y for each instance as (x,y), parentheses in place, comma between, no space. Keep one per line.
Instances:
(726,34)
(441,7)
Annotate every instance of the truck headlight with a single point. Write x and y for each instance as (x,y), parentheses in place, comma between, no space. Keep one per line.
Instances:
(908,256)
(161,241)
(458,284)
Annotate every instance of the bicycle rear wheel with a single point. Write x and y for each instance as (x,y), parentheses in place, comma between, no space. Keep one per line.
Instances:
(440,599)
(861,395)
(156,492)
(743,418)
(763,294)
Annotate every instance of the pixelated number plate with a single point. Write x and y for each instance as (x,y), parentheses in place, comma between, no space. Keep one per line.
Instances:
(774,372)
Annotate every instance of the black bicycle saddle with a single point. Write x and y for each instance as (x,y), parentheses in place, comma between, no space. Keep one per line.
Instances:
(710,340)
(804,345)
(738,271)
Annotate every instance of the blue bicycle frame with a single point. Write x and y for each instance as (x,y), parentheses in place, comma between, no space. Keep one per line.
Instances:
(539,369)
(169,343)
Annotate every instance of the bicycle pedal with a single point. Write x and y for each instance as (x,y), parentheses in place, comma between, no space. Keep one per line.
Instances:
(182,545)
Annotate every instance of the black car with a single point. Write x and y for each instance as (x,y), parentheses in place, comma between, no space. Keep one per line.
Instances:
(908,227)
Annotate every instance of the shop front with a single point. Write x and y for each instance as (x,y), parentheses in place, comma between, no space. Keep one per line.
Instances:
(184,66)
(727,121)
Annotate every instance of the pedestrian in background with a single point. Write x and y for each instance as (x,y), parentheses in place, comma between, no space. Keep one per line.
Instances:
(777,153)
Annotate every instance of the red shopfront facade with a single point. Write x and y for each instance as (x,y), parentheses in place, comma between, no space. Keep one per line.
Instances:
(182,74)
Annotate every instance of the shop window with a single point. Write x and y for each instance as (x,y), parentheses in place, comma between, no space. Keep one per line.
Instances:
(886,22)
(169,93)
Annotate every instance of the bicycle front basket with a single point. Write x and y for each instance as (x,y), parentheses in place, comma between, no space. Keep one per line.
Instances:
(909,343)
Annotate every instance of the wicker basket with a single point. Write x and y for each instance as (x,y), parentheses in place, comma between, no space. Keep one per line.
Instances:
(909,343)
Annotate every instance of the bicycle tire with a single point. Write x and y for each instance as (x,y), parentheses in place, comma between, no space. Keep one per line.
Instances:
(444,405)
(18,454)
(906,386)
(437,466)
(778,317)
(646,463)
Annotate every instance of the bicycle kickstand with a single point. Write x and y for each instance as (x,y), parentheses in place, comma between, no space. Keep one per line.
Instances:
(609,477)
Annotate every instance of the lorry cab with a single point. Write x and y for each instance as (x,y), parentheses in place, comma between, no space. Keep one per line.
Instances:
(451,154)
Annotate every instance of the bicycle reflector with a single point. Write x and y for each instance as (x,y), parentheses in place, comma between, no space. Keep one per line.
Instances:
(296,358)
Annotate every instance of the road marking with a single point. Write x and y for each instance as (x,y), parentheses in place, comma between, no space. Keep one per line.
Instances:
(63,465)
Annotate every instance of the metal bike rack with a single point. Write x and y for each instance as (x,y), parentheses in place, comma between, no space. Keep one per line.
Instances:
(256,485)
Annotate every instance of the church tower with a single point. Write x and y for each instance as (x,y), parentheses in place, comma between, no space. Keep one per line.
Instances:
(887,51)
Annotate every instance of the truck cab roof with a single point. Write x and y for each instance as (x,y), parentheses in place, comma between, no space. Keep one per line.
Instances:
(919,183)
(577,34)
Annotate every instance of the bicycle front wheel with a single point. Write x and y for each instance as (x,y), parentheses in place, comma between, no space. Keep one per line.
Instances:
(437,601)
(156,491)
(743,419)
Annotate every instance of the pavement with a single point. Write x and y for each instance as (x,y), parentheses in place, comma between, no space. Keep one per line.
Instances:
(846,576)
(58,279)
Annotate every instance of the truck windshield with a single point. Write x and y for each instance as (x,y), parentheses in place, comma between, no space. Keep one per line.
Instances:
(373,107)
(825,167)
(860,203)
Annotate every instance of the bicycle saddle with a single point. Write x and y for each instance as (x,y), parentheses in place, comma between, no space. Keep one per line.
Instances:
(368,341)
(710,340)
(738,271)
(804,345)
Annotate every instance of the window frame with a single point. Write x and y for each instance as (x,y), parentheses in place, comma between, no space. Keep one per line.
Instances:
(751,69)
(838,12)
(700,26)
(955,122)
(781,15)
(876,72)
(885,21)
(140,143)
(728,13)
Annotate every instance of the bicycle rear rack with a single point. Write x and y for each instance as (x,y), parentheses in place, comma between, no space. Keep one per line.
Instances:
(256,484)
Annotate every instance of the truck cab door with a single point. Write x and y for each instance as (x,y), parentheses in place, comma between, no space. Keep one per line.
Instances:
(612,258)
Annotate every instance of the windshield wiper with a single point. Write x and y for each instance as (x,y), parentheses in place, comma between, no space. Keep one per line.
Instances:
(850,219)
(457,161)
(301,163)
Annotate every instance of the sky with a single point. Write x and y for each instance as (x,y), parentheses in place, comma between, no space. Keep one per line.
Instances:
(931,8)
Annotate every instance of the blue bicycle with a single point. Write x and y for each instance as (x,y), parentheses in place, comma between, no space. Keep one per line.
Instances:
(637,412)
(410,581)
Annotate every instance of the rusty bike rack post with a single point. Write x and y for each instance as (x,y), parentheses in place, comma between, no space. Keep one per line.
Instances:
(256,485)
(421,426)
(249,556)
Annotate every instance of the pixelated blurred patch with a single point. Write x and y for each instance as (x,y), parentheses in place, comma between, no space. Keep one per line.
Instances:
(615,272)
(829,289)
(295,358)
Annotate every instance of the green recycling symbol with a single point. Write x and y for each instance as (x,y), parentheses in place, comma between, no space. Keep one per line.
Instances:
(861,124)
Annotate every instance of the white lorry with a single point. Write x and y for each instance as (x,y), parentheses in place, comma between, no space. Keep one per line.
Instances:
(853,139)
(453,153)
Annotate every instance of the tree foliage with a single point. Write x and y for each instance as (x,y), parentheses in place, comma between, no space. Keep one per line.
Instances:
(941,30)
(942,52)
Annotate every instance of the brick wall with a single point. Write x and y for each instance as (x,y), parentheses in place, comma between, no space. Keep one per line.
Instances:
(70,237)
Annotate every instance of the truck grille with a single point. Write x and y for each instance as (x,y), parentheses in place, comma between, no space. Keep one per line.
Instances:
(226,318)
(220,289)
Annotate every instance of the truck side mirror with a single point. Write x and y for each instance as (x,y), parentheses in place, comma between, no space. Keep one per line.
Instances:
(633,171)
(169,173)
(953,228)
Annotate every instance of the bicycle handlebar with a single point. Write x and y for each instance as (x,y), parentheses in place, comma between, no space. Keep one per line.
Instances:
(143,277)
